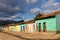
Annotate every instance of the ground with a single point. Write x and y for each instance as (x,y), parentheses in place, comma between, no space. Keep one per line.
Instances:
(28,36)
(4,36)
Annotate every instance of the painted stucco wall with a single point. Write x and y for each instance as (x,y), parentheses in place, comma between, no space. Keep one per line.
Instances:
(11,28)
(7,28)
(23,25)
(30,27)
(58,22)
(50,24)
(17,28)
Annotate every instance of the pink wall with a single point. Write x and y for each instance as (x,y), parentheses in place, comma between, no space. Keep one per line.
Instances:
(30,27)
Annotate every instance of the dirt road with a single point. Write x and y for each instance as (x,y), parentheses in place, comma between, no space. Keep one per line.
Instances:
(4,36)
(26,36)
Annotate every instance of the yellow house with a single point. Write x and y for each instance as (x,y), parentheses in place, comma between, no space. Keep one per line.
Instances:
(6,28)
(18,27)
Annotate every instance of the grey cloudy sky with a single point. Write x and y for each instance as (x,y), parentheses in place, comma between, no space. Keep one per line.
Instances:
(11,7)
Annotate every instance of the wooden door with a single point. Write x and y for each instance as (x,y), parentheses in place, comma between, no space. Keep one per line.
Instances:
(44,26)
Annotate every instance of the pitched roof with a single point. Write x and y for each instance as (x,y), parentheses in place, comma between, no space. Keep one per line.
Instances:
(22,22)
(27,22)
(49,15)
(30,21)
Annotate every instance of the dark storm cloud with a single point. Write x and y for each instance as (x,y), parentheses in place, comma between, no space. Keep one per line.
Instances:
(11,7)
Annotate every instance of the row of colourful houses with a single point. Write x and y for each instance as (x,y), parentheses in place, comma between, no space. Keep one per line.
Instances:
(22,26)
(45,23)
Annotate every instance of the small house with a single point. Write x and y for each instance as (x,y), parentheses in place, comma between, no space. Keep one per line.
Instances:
(23,26)
(48,22)
(18,27)
(6,28)
(30,26)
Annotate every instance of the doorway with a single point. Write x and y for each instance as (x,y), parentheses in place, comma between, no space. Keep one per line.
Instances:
(23,28)
(39,27)
(44,27)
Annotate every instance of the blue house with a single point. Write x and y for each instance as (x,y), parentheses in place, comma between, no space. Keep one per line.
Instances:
(23,26)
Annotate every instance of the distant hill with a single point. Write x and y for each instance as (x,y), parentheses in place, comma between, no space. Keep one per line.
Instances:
(6,22)
(9,22)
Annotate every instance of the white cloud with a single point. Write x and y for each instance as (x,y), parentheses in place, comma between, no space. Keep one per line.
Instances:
(2,18)
(47,4)
(58,9)
(35,10)
(16,8)
(15,16)
(33,0)
(9,18)
(47,11)
(28,1)
(56,4)
(50,10)
(50,6)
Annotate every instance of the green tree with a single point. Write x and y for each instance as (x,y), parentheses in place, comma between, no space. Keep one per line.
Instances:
(1,24)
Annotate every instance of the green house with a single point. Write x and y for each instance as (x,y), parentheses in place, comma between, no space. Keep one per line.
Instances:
(48,23)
